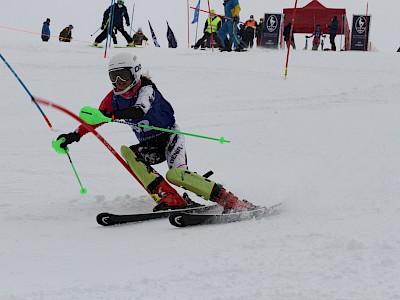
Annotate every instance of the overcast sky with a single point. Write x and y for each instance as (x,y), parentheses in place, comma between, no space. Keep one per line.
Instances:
(86,16)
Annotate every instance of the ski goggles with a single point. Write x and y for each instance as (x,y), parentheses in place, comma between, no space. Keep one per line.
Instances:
(121,74)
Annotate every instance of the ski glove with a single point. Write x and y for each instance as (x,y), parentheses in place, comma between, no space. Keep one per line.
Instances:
(61,143)
(235,19)
(93,116)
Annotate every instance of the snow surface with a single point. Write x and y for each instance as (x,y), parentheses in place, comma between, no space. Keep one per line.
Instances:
(325,141)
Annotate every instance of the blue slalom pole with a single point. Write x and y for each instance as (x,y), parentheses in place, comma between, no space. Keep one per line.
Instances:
(110,25)
(26,89)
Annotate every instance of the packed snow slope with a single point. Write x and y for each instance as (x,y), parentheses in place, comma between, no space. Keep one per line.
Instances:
(324,141)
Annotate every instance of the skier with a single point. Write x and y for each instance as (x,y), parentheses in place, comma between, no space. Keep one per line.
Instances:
(229,27)
(317,37)
(46,30)
(120,13)
(66,34)
(333,28)
(136,99)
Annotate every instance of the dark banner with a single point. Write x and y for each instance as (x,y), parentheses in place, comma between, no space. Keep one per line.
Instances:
(360,32)
(271,31)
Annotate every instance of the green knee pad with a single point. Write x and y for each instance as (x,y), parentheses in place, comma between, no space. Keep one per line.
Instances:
(191,181)
(141,171)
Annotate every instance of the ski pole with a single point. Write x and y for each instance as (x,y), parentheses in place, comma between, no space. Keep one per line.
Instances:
(95,31)
(83,190)
(26,89)
(221,139)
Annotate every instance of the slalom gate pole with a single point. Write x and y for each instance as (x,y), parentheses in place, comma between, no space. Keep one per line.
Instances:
(96,134)
(110,26)
(221,16)
(26,89)
(188,23)
(83,190)
(133,11)
(365,31)
(212,36)
(290,39)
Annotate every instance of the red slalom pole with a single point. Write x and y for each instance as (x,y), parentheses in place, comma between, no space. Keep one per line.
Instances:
(290,38)
(221,16)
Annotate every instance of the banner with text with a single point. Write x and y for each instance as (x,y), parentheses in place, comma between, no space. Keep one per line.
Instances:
(271,29)
(360,32)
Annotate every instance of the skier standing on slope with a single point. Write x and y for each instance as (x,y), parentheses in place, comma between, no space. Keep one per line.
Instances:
(136,99)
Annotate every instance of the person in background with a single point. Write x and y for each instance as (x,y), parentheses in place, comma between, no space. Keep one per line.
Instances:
(229,27)
(317,34)
(66,34)
(286,35)
(139,37)
(333,28)
(211,27)
(46,30)
(259,30)
(249,31)
(120,13)
(136,99)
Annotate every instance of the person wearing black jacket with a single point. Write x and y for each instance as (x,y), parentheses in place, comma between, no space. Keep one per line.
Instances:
(120,13)
(286,35)
(333,28)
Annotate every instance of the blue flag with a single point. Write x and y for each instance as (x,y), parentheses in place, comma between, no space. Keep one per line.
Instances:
(153,35)
(196,13)
(172,43)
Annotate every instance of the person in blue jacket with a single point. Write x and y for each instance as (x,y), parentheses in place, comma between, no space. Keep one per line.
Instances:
(120,13)
(229,27)
(136,100)
(46,30)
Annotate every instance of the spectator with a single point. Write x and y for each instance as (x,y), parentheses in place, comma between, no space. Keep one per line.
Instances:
(333,28)
(259,30)
(120,13)
(249,31)
(286,35)
(139,37)
(317,37)
(66,34)
(211,27)
(46,30)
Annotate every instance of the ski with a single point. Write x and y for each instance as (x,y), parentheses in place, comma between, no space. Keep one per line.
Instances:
(183,219)
(108,219)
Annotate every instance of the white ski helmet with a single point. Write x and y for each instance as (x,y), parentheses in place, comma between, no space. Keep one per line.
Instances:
(125,61)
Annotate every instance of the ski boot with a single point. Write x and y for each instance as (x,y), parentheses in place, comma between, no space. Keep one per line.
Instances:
(208,189)
(167,195)
(229,201)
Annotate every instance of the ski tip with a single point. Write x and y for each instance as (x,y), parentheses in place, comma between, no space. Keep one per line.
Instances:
(103,219)
(176,219)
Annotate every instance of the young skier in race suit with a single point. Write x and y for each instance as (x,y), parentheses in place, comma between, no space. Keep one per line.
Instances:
(136,99)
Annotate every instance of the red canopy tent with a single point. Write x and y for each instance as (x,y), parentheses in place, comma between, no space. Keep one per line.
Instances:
(315,13)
